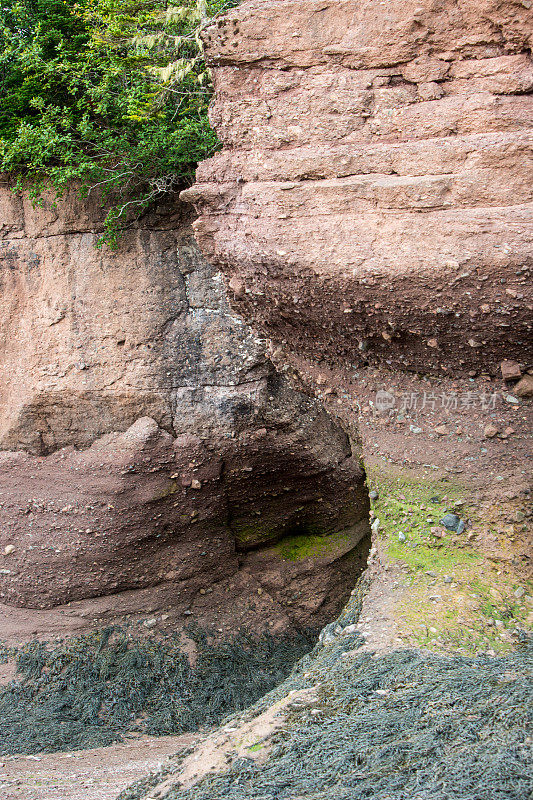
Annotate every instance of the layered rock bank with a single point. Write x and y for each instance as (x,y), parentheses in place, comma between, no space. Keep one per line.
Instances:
(371,209)
(146,441)
(372,203)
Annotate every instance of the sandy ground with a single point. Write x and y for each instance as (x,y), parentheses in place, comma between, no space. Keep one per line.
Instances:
(99,774)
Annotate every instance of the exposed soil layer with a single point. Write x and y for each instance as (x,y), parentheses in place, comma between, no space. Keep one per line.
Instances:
(371,204)
(147,444)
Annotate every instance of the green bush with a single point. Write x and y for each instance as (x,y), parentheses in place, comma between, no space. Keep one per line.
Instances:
(107,95)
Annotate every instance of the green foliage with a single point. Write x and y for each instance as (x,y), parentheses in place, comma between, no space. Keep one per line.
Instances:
(107,95)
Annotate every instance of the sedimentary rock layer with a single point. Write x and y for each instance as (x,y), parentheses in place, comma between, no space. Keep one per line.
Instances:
(146,440)
(372,202)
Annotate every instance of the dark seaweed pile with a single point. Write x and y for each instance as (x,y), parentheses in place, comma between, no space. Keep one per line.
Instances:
(405,725)
(91,690)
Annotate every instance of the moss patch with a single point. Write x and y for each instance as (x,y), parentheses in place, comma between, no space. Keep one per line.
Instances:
(451,595)
(300,546)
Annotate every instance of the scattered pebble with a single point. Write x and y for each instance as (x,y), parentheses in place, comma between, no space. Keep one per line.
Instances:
(520,592)
(150,623)
(8,549)
(510,370)
(453,523)
(402,537)
(490,431)
(373,495)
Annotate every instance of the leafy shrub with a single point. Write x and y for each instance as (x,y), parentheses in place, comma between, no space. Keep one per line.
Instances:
(107,95)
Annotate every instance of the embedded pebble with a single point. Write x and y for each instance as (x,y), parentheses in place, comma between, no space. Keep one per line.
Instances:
(453,523)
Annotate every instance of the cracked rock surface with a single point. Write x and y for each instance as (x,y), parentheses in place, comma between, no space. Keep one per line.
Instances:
(147,442)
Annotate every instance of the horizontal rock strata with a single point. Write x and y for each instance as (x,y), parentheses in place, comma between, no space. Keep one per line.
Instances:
(372,203)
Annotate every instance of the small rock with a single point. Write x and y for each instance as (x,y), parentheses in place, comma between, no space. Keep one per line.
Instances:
(524,388)
(202,591)
(414,429)
(435,598)
(164,617)
(349,629)
(520,592)
(507,432)
(453,523)
(520,516)
(510,399)
(402,537)
(447,579)
(375,526)
(510,371)
(187,613)
(499,623)
(373,495)
(150,623)
(433,630)
(433,343)
(442,430)
(8,549)
(490,431)
(196,484)
(430,91)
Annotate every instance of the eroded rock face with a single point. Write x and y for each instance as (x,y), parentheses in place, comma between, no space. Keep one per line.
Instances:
(372,203)
(146,440)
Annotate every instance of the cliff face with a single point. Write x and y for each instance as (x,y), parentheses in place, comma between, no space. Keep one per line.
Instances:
(371,209)
(372,200)
(147,443)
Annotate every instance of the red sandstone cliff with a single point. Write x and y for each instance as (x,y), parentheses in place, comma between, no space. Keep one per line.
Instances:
(372,203)
(146,442)
(371,208)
